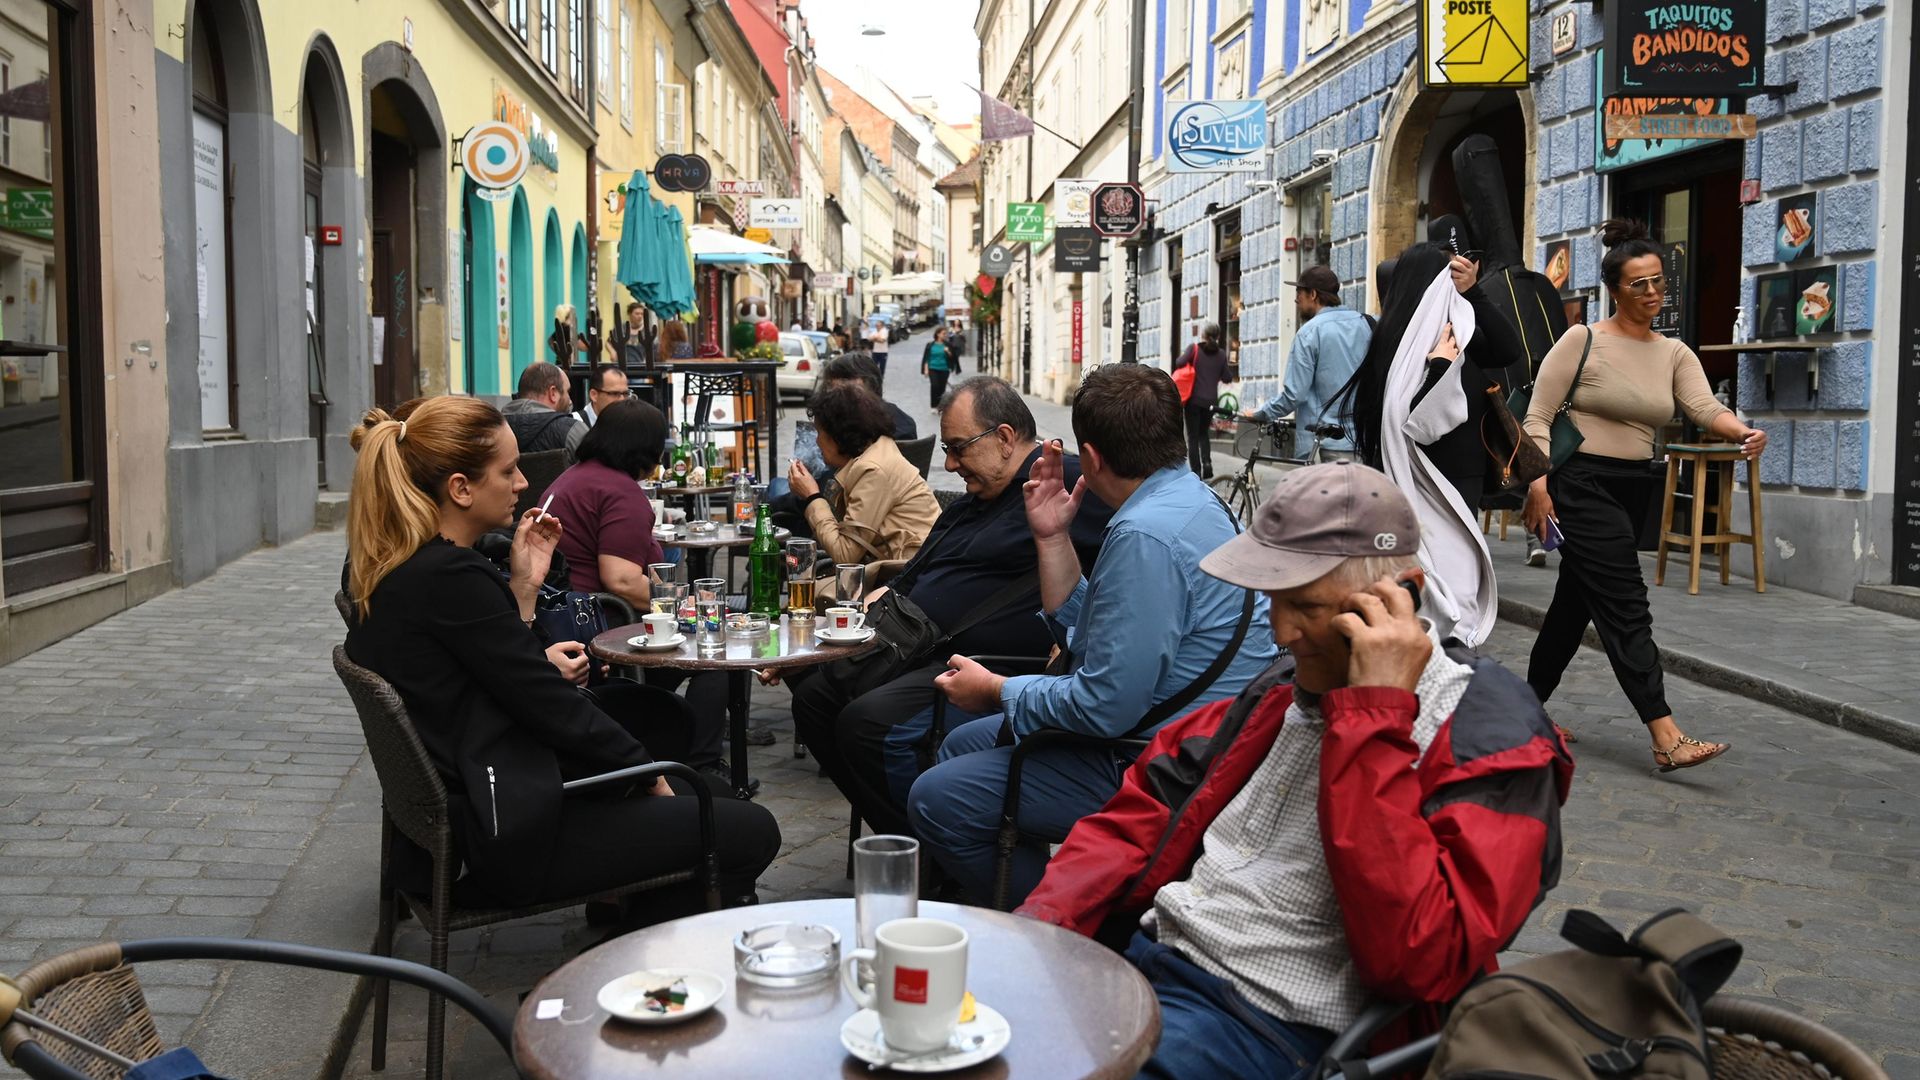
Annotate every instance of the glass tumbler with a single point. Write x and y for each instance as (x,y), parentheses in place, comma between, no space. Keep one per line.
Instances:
(800,584)
(850,584)
(886,885)
(710,588)
(713,633)
(666,597)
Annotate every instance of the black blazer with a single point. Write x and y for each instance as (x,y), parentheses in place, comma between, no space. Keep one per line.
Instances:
(502,724)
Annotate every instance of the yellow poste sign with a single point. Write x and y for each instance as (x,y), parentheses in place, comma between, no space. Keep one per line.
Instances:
(1473,43)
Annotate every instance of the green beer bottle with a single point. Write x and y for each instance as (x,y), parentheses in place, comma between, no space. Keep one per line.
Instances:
(765,567)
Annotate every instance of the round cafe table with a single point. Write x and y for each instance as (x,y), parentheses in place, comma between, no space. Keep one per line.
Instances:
(1077,1008)
(701,546)
(784,648)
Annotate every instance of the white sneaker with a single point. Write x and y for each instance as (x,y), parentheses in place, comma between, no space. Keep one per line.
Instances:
(1536,556)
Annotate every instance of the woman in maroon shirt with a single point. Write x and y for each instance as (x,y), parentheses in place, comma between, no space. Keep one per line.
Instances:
(608,541)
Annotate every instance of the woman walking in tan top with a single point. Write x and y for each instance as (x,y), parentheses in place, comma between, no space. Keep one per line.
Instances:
(1631,381)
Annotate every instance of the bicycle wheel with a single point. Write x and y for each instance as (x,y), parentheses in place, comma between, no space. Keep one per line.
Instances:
(1238,493)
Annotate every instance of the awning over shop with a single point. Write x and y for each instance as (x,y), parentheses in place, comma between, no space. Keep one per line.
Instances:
(713,246)
(922,284)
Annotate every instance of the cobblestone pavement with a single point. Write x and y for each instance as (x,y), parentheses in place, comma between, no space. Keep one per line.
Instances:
(180,768)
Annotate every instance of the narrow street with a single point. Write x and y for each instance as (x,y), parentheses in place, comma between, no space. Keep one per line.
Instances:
(193,767)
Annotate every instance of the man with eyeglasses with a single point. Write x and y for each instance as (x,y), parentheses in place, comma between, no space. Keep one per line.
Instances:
(605,385)
(981,548)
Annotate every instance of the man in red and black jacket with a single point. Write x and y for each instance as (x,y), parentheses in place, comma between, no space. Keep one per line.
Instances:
(1375,823)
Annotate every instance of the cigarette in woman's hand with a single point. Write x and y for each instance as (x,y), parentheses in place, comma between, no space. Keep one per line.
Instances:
(542,515)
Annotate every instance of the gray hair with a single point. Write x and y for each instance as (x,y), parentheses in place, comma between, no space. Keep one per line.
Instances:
(1360,571)
(995,402)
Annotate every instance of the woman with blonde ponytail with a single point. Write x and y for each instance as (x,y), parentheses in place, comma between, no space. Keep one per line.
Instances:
(503,713)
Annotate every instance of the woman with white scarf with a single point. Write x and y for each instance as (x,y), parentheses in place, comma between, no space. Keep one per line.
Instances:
(1417,403)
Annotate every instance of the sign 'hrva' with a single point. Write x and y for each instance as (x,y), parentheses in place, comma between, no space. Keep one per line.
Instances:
(1216,136)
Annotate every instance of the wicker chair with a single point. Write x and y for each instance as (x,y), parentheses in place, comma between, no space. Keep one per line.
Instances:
(93,993)
(920,453)
(1752,1040)
(415,807)
(541,468)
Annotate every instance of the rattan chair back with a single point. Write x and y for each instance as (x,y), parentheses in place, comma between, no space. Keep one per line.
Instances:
(90,993)
(411,787)
(920,453)
(541,468)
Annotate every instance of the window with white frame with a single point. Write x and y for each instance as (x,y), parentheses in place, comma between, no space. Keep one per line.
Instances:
(603,49)
(1229,10)
(1179,43)
(550,35)
(577,49)
(670,108)
(626,66)
(517,17)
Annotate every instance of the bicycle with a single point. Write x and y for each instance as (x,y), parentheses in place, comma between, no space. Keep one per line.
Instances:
(1241,490)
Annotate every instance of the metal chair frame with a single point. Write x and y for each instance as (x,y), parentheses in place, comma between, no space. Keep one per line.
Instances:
(704,386)
(415,806)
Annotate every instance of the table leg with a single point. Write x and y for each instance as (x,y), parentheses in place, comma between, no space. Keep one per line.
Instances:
(737,698)
(1756,527)
(1724,513)
(1666,519)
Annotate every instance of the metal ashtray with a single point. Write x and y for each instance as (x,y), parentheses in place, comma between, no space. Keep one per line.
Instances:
(787,954)
(702,528)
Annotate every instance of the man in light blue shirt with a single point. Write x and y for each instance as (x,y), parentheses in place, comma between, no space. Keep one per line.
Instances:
(1327,350)
(1143,629)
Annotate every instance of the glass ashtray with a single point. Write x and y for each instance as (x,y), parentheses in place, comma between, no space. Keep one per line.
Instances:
(702,528)
(787,954)
(742,625)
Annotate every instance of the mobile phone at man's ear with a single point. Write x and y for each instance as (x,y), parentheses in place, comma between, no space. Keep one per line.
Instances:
(1413,590)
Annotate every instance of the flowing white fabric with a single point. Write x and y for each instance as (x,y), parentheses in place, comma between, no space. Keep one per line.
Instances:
(1460,582)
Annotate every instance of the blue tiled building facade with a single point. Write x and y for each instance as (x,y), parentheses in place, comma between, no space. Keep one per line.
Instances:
(1355,167)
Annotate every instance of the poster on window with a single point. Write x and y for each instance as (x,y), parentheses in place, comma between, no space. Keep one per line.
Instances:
(502,296)
(210,269)
(456,296)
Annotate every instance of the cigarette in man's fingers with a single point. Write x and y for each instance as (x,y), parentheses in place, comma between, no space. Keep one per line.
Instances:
(542,515)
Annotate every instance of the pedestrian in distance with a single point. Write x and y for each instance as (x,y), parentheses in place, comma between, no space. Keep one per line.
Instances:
(1211,366)
(877,341)
(1600,498)
(1327,349)
(938,362)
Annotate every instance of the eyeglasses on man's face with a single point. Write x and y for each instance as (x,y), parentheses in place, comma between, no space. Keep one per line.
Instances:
(959,448)
(1642,286)
(617,395)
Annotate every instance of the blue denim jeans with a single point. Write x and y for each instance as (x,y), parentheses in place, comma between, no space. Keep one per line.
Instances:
(1207,1029)
(955,807)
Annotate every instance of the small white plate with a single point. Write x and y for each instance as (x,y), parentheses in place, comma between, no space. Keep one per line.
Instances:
(849,637)
(626,997)
(861,1036)
(646,644)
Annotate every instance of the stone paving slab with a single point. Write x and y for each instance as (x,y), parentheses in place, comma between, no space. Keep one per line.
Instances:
(1837,662)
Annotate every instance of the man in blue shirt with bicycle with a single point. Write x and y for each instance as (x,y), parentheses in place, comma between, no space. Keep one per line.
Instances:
(1327,350)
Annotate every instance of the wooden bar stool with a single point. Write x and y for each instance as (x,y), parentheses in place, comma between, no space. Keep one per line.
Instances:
(1706,456)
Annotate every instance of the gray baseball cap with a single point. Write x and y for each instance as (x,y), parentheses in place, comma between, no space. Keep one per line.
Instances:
(1316,518)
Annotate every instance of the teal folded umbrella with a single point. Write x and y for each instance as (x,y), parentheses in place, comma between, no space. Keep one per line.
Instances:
(638,267)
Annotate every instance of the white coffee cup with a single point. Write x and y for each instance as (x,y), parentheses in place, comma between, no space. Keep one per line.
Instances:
(661,628)
(845,620)
(920,976)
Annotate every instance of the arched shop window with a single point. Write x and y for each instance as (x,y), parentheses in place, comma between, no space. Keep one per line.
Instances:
(522,325)
(579,300)
(482,332)
(553,269)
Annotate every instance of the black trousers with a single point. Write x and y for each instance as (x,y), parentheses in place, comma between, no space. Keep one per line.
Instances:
(1199,442)
(848,735)
(618,835)
(936,387)
(707,696)
(1600,503)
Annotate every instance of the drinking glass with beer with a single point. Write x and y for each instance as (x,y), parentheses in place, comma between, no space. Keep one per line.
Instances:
(800,559)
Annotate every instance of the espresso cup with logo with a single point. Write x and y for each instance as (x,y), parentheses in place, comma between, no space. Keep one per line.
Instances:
(845,620)
(920,977)
(661,627)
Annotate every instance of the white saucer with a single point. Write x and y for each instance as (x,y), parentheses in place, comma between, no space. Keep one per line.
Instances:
(861,1036)
(646,644)
(625,997)
(851,637)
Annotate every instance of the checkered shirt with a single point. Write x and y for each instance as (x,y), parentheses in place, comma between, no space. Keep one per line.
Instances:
(1259,908)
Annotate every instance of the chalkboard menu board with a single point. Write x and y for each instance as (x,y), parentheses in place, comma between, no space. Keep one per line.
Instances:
(1672,320)
(1906,461)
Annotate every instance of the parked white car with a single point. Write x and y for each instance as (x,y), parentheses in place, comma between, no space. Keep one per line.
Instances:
(799,368)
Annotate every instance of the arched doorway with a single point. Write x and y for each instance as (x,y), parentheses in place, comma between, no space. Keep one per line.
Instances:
(579,296)
(406,192)
(482,331)
(520,317)
(554,268)
(1416,182)
(326,136)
